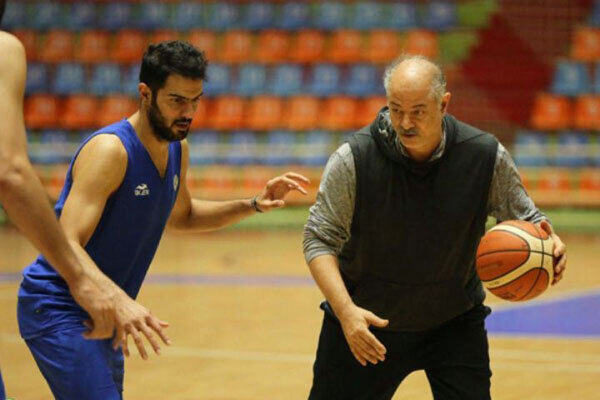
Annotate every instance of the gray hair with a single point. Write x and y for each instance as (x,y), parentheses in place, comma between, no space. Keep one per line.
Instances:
(438,82)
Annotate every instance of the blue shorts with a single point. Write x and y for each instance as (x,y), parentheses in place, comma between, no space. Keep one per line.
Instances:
(77,368)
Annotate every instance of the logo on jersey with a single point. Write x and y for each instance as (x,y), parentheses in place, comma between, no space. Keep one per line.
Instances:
(175,182)
(142,190)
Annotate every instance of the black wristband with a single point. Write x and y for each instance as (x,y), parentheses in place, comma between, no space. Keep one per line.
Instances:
(254,204)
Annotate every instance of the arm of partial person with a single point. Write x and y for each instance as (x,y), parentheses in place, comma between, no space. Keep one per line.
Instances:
(326,231)
(508,200)
(202,215)
(26,202)
(97,173)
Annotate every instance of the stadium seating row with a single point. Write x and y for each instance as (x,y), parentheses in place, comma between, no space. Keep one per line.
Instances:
(247,80)
(566,149)
(225,15)
(574,78)
(261,113)
(551,112)
(209,147)
(234,46)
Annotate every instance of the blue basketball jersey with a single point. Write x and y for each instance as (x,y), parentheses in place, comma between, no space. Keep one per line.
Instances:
(124,242)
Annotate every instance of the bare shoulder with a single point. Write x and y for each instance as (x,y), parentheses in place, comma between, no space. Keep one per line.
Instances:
(105,148)
(103,156)
(185,146)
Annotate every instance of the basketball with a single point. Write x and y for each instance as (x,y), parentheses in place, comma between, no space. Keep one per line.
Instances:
(514,260)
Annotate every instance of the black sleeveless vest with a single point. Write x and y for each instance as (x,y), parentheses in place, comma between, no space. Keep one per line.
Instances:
(416,227)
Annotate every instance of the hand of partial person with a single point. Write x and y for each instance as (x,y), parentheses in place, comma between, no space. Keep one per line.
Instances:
(134,319)
(277,188)
(98,304)
(559,252)
(363,344)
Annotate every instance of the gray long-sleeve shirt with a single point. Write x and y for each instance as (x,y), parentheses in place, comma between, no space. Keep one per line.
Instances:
(328,225)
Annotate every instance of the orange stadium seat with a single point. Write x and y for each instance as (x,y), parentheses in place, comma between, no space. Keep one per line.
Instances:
(227,113)
(205,41)
(28,38)
(552,180)
(272,47)
(422,42)
(163,35)
(79,112)
(41,111)
(345,46)
(92,47)
(114,108)
(57,47)
(236,47)
(382,47)
(302,113)
(338,114)
(264,113)
(200,119)
(368,109)
(308,47)
(586,44)
(590,180)
(128,47)
(586,113)
(551,112)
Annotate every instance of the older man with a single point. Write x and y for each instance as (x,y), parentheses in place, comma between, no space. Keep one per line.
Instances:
(391,242)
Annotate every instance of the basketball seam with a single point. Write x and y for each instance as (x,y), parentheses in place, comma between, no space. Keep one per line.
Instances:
(508,283)
(514,251)
(518,266)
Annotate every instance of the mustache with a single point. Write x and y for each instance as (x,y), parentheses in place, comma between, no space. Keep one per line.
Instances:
(412,131)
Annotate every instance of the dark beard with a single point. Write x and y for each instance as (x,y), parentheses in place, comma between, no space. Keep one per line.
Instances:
(160,128)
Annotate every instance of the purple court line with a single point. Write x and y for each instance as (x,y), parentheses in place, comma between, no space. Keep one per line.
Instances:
(209,280)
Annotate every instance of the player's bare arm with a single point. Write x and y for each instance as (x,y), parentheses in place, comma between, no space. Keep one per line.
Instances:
(104,156)
(202,215)
(26,202)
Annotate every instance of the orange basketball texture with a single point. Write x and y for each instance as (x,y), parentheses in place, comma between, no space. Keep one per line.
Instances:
(514,260)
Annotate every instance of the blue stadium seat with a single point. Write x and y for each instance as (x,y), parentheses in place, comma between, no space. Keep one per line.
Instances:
(315,149)
(531,149)
(242,148)
(106,78)
(366,15)
(594,19)
(204,148)
(223,16)
(69,78)
(440,15)
(53,148)
(571,78)
(131,79)
(37,78)
(324,80)
(294,15)
(329,15)
(44,15)
(287,80)
(218,81)
(188,15)
(596,82)
(115,16)
(363,81)
(152,15)
(258,15)
(15,16)
(572,149)
(251,80)
(279,148)
(81,15)
(400,16)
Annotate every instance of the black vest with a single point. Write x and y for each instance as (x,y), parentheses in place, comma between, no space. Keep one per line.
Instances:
(416,227)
